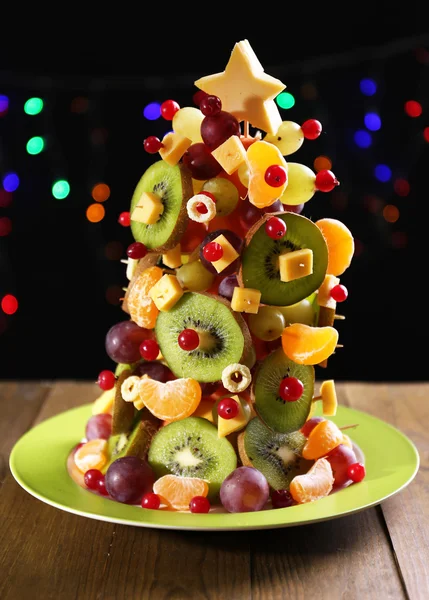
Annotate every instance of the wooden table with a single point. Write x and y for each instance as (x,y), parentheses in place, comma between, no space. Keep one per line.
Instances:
(380,553)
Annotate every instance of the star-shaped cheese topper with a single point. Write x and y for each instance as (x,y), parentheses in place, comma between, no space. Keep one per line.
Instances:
(245,89)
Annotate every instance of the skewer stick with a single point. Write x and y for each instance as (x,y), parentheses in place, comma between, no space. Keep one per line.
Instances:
(339,317)
(339,346)
(349,426)
(246,129)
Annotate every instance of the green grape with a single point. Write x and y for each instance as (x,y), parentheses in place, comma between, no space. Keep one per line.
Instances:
(225,192)
(288,139)
(187,122)
(267,324)
(194,276)
(301,312)
(243,174)
(301,185)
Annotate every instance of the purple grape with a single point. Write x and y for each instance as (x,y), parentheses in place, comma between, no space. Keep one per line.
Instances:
(128,479)
(155,370)
(298,208)
(227,285)
(277,206)
(244,490)
(201,163)
(217,128)
(250,214)
(236,241)
(210,387)
(99,427)
(123,341)
(282,499)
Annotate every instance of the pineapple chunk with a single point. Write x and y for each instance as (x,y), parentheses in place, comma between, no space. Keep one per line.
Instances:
(296,264)
(104,402)
(174,147)
(231,154)
(173,258)
(166,292)
(329,398)
(229,254)
(245,300)
(148,209)
(324,294)
(227,426)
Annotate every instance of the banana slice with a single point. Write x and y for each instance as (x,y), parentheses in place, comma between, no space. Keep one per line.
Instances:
(236,377)
(195,215)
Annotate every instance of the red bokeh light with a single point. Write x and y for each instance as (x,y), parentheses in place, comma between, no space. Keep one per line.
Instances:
(413,108)
(401,187)
(5,226)
(9,304)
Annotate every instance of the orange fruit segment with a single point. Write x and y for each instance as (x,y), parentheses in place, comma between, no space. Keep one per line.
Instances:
(260,156)
(308,345)
(313,485)
(340,242)
(177,492)
(92,455)
(322,439)
(170,401)
(141,307)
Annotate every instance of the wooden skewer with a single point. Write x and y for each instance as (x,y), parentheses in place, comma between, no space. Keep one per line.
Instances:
(339,317)
(246,129)
(316,398)
(349,426)
(339,346)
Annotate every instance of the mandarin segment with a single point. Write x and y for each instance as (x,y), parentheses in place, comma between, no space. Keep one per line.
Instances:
(322,439)
(317,483)
(307,345)
(340,242)
(260,156)
(92,455)
(140,305)
(170,401)
(177,492)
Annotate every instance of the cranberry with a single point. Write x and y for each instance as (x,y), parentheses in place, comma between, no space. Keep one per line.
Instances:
(199,504)
(124,219)
(311,129)
(275,176)
(168,109)
(152,144)
(356,472)
(339,293)
(136,250)
(275,228)
(151,500)
(213,251)
(228,408)
(189,340)
(106,380)
(149,349)
(291,389)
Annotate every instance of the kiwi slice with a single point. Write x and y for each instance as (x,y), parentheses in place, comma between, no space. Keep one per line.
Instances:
(173,184)
(259,260)
(191,448)
(123,413)
(278,415)
(224,336)
(276,455)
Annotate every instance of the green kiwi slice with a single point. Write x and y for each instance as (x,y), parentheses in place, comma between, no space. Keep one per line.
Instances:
(259,261)
(224,336)
(278,415)
(122,412)
(276,455)
(191,448)
(173,184)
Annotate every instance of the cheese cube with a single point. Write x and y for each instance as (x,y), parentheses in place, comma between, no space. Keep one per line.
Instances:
(148,209)
(104,402)
(296,264)
(231,154)
(166,292)
(174,147)
(329,398)
(245,300)
(173,258)
(227,426)
(229,254)
(324,293)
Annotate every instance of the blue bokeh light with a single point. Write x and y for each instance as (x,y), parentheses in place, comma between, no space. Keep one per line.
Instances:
(372,121)
(363,139)
(4,104)
(152,111)
(368,87)
(10,182)
(383,172)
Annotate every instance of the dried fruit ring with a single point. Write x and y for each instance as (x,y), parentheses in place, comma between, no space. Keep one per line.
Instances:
(130,388)
(195,203)
(236,377)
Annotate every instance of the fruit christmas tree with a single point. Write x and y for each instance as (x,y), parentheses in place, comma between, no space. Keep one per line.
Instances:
(231,307)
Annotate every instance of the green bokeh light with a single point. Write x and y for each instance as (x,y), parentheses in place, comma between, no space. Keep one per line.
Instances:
(61,189)
(33,106)
(35,145)
(285,100)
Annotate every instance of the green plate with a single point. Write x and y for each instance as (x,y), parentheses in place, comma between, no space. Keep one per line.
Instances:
(38,463)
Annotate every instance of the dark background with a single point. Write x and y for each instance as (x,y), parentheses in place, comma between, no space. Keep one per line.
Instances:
(66,272)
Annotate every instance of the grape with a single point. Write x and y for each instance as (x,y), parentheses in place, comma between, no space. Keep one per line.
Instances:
(199,160)
(155,370)
(309,425)
(267,324)
(209,388)
(194,276)
(233,239)
(99,427)
(225,192)
(216,129)
(123,341)
(301,185)
(301,312)
(244,490)
(227,285)
(128,479)
(288,138)
(340,458)
(276,206)
(187,122)
(249,214)
(297,209)
(243,174)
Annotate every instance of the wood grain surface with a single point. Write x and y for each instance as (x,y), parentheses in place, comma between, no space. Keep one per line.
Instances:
(380,553)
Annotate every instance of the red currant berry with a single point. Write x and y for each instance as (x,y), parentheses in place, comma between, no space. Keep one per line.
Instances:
(281,499)
(151,500)
(198,96)
(101,487)
(189,340)
(228,408)
(275,228)
(149,349)
(213,251)
(201,208)
(326,181)
(291,389)
(339,293)
(136,250)
(124,219)
(356,472)
(92,477)
(199,504)
(152,144)
(210,105)
(311,129)
(209,194)
(168,109)
(106,380)
(275,176)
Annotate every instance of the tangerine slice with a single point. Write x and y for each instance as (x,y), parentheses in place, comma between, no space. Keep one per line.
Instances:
(177,492)
(340,242)
(260,156)
(170,401)
(307,345)
(141,307)
(313,485)
(322,439)
(92,455)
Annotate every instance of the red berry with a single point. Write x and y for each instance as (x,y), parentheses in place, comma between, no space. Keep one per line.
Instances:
(151,500)
(189,340)
(124,219)
(275,176)
(339,293)
(199,504)
(152,144)
(76,448)
(326,181)
(106,380)
(228,408)
(92,477)
(136,250)
(168,109)
(210,105)
(209,194)
(281,499)
(201,208)
(198,96)
(149,349)
(311,129)
(101,487)
(213,251)
(291,389)
(356,472)
(275,228)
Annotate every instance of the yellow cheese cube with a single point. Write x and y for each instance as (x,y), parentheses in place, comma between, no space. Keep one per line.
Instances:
(227,426)
(329,398)
(231,154)
(229,254)
(324,293)
(174,147)
(205,410)
(166,292)
(245,300)
(148,209)
(173,258)
(296,264)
